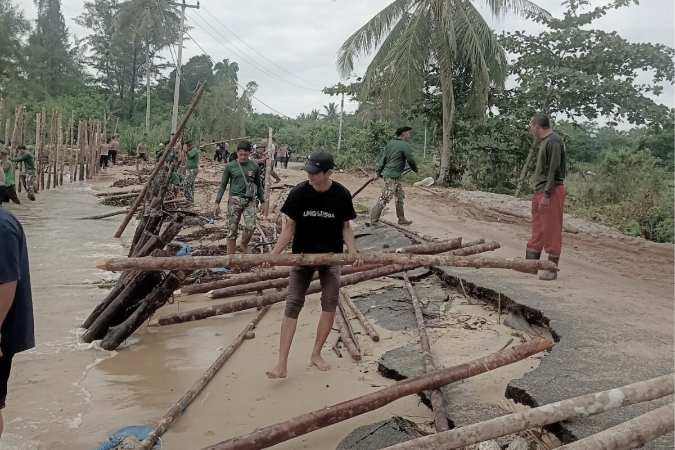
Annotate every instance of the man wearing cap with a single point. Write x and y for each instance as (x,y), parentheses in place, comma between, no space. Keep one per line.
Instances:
(397,152)
(319,212)
(243,176)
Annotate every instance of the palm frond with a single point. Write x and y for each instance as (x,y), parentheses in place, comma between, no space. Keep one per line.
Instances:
(369,36)
(522,8)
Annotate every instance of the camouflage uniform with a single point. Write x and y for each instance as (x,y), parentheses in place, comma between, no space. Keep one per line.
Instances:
(30,179)
(189,184)
(392,188)
(238,208)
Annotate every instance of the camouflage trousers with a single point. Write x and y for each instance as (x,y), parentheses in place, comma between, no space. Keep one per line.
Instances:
(30,180)
(238,208)
(189,184)
(392,188)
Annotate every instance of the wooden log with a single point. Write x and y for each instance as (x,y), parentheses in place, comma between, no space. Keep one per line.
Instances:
(410,233)
(359,315)
(635,433)
(271,435)
(114,193)
(286,271)
(577,407)
(362,187)
(350,329)
(151,303)
(346,336)
(176,411)
(475,249)
(437,401)
(160,163)
(71,143)
(103,216)
(270,299)
(248,261)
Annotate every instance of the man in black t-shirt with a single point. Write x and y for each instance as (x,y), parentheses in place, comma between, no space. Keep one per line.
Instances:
(16,304)
(319,211)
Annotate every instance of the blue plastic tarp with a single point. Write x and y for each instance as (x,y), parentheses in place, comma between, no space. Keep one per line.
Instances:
(116,438)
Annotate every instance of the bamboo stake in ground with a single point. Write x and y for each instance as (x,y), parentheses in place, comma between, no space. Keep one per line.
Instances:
(38,149)
(359,315)
(346,337)
(269,436)
(248,261)
(160,163)
(175,412)
(71,159)
(577,407)
(437,401)
(269,166)
(635,433)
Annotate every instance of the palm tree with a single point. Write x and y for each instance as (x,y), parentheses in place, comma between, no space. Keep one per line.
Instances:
(331,113)
(156,23)
(413,35)
(314,114)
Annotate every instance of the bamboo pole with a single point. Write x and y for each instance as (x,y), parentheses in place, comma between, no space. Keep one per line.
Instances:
(635,433)
(269,164)
(577,407)
(247,261)
(38,149)
(12,149)
(176,411)
(346,337)
(43,149)
(103,216)
(286,271)
(160,163)
(71,159)
(359,315)
(52,123)
(2,107)
(410,233)
(437,401)
(7,143)
(58,166)
(269,436)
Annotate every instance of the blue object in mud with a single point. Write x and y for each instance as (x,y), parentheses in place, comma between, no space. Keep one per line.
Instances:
(116,438)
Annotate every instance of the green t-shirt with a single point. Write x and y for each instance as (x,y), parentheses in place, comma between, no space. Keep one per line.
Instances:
(396,153)
(551,161)
(27,159)
(170,158)
(192,159)
(8,168)
(233,175)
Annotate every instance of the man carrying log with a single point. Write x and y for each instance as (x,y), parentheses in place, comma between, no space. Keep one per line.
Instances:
(549,195)
(10,183)
(16,304)
(319,212)
(245,181)
(28,161)
(397,152)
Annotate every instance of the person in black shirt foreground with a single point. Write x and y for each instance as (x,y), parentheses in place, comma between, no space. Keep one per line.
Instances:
(319,211)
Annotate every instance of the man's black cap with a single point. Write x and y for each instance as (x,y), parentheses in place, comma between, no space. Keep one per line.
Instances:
(319,162)
(401,130)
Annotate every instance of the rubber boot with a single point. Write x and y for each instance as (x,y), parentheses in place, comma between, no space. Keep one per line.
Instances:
(400,213)
(532,254)
(375,214)
(231,246)
(245,239)
(548,275)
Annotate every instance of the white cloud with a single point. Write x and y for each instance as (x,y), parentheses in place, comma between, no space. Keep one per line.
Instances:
(303,37)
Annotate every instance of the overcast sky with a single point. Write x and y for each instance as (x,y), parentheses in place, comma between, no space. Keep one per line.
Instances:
(304,39)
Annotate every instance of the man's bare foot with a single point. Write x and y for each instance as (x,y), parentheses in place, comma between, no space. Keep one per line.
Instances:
(320,364)
(278,372)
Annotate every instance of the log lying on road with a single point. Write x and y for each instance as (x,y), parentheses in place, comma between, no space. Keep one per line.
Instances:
(248,261)
(577,407)
(475,249)
(346,336)
(437,401)
(103,216)
(635,433)
(175,412)
(359,315)
(286,271)
(269,436)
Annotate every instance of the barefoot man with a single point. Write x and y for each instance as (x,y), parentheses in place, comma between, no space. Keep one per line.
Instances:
(319,211)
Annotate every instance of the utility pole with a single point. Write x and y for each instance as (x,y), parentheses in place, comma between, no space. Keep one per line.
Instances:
(342,110)
(176,88)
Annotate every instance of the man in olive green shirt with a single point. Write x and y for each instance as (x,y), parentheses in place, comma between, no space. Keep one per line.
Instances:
(238,174)
(548,201)
(10,183)
(397,152)
(28,161)
(191,171)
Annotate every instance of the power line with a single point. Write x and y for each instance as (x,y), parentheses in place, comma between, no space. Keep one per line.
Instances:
(234,49)
(263,56)
(236,82)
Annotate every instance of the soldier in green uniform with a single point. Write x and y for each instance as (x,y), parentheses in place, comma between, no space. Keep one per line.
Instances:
(28,161)
(170,159)
(191,171)
(243,175)
(397,152)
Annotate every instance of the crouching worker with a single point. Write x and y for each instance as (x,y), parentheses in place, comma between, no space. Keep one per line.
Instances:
(319,211)
(243,175)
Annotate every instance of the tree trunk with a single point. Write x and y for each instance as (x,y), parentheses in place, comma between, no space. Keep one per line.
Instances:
(346,337)
(412,234)
(381,259)
(475,249)
(437,401)
(176,411)
(132,86)
(147,83)
(447,152)
(577,407)
(359,315)
(269,436)
(635,433)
